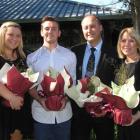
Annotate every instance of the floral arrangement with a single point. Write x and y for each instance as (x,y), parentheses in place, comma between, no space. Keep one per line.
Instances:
(97,98)
(127,92)
(18,83)
(85,91)
(52,88)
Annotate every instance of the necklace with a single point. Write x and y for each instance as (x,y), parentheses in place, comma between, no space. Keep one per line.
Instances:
(132,60)
(9,58)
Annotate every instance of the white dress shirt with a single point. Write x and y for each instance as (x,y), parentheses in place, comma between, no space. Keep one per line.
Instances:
(40,61)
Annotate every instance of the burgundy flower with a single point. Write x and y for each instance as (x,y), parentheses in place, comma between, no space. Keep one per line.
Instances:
(84,82)
(122,114)
(116,105)
(16,83)
(53,91)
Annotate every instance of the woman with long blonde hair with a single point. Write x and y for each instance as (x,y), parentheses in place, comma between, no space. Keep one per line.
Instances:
(11,52)
(128,48)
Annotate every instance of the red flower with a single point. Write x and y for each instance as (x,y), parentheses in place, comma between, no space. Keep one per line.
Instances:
(16,83)
(116,105)
(53,91)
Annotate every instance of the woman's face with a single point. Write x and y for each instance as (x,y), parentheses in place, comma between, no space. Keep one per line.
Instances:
(128,45)
(12,38)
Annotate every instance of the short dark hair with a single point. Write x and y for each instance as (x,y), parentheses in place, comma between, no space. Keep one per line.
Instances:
(49,18)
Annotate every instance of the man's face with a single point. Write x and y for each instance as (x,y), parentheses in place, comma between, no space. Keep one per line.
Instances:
(50,32)
(91,29)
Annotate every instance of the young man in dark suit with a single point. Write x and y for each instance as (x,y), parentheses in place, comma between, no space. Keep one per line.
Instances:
(104,66)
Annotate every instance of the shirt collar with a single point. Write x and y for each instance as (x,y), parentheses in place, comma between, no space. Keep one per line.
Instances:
(98,46)
(54,50)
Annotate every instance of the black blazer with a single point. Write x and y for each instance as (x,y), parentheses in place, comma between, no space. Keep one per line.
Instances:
(137,76)
(106,65)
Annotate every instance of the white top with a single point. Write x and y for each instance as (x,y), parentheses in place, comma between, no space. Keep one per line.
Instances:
(40,61)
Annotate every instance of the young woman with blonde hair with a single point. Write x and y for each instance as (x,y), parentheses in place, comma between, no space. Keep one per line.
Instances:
(12,119)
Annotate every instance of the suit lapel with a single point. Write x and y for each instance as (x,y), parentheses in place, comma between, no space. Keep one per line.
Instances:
(80,58)
(102,59)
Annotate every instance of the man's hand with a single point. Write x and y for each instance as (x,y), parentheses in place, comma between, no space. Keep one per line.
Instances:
(100,114)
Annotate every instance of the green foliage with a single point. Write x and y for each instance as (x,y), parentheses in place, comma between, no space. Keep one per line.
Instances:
(53,73)
(91,87)
(122,75)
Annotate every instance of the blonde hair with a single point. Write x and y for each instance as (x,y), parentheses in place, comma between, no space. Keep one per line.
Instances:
(3,30)
(132,33)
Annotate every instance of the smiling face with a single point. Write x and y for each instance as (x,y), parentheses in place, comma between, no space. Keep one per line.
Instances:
(50,32)
(91,29)
(13,38)
(128,45)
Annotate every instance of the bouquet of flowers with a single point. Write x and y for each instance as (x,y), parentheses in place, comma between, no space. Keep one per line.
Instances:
(53,85)
(121,113)
(18,83)
(127,92)
(95,104)
(83,92)
(97,98)
(110,103)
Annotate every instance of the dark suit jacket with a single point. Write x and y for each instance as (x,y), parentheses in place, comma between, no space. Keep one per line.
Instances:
(83,121)
(105,69)
(106,66)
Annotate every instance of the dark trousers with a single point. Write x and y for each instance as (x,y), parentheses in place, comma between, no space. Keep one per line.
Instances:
(83,123)
(16,119)
(59,131)
(129,132)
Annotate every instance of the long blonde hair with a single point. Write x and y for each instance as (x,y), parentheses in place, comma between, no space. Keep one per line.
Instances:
(3,30)
(132,33)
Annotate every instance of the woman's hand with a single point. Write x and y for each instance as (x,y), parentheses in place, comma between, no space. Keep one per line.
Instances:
(16,102)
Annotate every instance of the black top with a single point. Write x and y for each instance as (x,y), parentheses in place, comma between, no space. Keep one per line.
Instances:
(127,70)
(15,119)
(19,63)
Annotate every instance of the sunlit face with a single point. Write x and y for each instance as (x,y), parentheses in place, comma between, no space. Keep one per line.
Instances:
(128,45)
(50,32)
(12,37)
(91,29)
